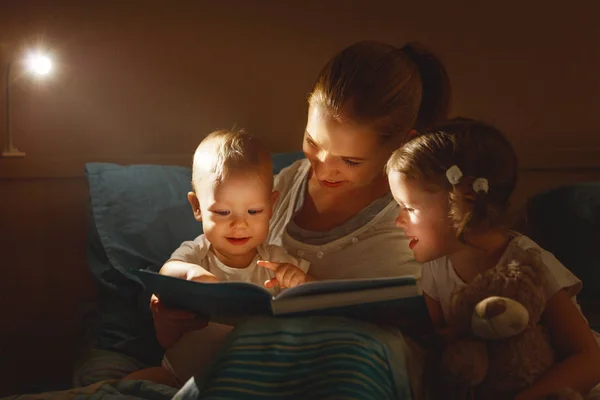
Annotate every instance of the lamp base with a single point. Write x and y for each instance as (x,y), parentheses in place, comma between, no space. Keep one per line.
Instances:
(13,154)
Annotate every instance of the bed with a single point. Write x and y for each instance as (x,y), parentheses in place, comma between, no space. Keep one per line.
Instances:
(139,214)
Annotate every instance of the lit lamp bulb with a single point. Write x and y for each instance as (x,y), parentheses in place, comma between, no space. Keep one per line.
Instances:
(39,64)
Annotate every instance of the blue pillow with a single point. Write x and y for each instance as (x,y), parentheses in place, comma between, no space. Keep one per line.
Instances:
(139,215)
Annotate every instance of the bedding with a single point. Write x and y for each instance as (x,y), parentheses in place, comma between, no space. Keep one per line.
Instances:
(307,358)
(117,390)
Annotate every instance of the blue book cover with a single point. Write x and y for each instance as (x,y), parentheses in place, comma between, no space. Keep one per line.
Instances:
(230,301)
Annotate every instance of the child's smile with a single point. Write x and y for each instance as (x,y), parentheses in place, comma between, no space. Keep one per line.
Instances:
(424,216)
(238,241)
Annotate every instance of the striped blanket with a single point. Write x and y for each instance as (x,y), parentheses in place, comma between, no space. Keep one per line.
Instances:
(303,358)
(306,358)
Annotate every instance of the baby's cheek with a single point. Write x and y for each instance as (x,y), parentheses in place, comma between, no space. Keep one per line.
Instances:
(262,229)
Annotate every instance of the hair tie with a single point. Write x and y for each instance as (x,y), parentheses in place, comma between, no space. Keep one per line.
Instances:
(481,185)
(454,174)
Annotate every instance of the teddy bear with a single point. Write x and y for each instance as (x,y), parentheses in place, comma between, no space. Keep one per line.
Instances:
(505,348)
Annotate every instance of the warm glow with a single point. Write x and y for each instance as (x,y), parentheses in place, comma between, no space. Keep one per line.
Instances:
(39,64)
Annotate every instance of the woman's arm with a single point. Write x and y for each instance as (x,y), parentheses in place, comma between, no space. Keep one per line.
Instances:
(572,337)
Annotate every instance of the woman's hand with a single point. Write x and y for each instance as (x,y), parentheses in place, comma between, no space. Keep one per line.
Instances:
(286,275)
(171,324)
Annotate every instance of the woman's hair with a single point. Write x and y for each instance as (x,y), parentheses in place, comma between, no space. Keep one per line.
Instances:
(479,151)
(392,90)
(224,151)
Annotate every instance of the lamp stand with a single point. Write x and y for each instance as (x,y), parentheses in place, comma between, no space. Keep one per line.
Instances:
(8,149)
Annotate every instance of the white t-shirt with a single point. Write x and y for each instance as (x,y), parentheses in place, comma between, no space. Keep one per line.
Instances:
(377,249)
(439,280)
(198,252)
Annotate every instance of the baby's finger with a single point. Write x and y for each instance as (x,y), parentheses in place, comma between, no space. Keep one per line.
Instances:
(268,265)
(297,279)
(154,303)
(205,278)
(287,276)
(271,283)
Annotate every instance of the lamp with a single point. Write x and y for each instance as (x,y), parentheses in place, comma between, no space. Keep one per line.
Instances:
(37,64)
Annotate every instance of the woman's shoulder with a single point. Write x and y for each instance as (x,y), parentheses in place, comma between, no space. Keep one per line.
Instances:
(289,175)
(288,183)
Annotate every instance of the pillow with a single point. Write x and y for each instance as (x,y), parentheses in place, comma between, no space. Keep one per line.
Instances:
(139,214)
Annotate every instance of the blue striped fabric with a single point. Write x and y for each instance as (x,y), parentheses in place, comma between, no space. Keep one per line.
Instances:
(305,358)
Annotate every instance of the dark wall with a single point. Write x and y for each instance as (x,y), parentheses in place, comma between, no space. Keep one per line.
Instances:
(143,81)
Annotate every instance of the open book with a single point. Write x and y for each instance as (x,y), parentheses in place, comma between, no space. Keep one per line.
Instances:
(229,301)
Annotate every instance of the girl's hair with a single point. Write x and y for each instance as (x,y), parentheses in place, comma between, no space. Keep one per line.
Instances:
(479,151)
(390,89)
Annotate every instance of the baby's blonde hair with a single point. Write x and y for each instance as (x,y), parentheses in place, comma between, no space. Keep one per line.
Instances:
(224,151)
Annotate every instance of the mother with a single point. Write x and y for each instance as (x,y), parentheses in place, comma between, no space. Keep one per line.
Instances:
(334,207)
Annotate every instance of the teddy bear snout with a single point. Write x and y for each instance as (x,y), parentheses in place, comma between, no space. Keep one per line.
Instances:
(499,318)
(494,308)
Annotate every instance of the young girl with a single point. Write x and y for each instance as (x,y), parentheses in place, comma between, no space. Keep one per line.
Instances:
(453,187)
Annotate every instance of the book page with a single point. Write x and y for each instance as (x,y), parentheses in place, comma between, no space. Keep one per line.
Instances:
(345,285)
(325,301)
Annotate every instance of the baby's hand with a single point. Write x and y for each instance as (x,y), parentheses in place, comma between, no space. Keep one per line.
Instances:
(171,324)
(199,274)
(187,271)
(286,275)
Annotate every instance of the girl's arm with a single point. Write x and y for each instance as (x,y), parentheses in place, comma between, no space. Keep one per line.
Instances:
(446,333)
(572,337)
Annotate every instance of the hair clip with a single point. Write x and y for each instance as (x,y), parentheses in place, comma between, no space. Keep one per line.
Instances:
(481,185)
(454,174)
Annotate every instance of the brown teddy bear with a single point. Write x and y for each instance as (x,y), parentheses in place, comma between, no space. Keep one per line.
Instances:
(505,347)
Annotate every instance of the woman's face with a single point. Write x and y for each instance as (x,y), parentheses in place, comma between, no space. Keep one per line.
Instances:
(343,156)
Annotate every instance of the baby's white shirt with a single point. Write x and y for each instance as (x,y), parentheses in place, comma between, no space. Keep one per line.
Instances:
(198,252)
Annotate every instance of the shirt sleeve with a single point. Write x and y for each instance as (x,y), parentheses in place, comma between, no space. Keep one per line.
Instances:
(190,251)
(428,284)
(559,277)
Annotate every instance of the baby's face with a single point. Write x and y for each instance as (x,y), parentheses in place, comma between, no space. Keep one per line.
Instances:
(236,212)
